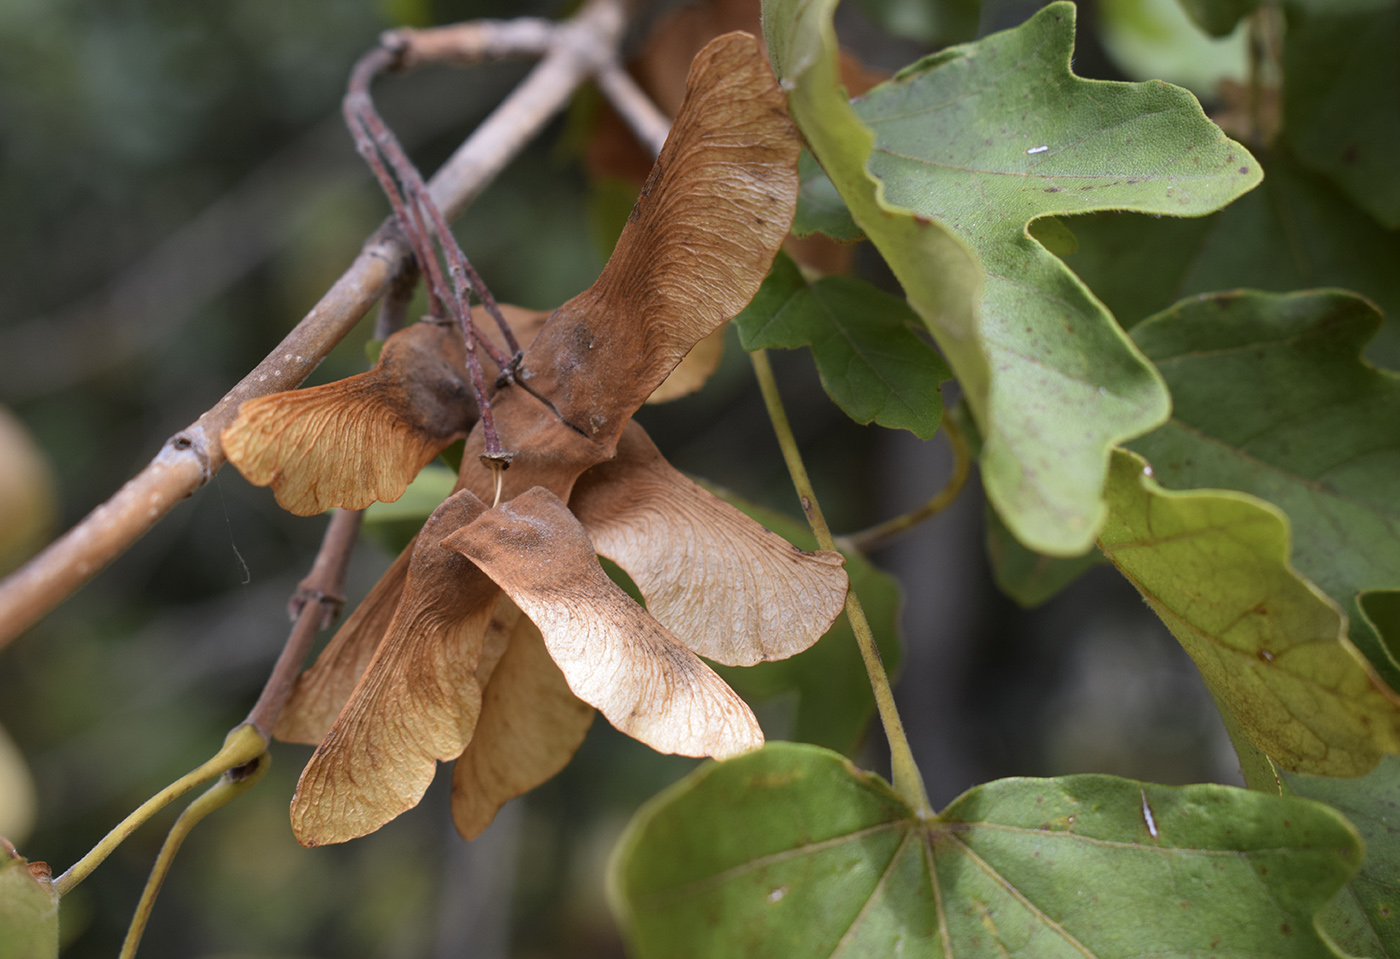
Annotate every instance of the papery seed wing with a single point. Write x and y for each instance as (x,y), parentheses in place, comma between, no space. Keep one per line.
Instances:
(694,369)
(361,439)
(321,691)
(704,232)
(728,588)
(531,725)
(612,653)
(418,701)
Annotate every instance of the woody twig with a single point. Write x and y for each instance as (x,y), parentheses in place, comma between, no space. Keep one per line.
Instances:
(573,51)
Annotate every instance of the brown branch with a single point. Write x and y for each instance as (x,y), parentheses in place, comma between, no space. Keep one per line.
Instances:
(646,120)
(314,607)
(393,306)
(577,49)
(467,44)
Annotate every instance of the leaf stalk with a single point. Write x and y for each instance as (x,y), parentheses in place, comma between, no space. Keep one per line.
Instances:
(908,781)
(876,536)
(242,745)
(231,784)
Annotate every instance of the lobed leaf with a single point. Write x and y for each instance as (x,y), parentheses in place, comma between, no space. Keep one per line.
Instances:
(1271,397)
(1364,917)
(990,136)
(791,851)
(1213,564)
(870,360)
(982,139)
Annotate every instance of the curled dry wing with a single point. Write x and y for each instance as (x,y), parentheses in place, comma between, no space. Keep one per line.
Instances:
(702,236)
(530,726)
(728,588)
(418,701)
(322,691)
(360,439)
(613,655)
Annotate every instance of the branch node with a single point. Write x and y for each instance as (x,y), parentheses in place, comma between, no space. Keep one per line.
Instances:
(331,604)
(187,443)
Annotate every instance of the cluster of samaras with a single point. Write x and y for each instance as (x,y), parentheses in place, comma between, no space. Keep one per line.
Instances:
(496,634)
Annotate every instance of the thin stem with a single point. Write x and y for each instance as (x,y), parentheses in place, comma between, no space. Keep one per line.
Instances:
(868,539)
(407,218)
(644,117)
(410,199)
(576,49)
(314,606)
(908,781)
(243,745)
(393,307)
(231,784)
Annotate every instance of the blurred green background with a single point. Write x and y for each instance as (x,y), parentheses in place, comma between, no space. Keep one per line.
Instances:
(176,190)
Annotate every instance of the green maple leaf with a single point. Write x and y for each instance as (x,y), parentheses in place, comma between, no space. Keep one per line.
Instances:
(1271,397)
(1213,564)
(1342,106)
(1364,917)
(1296,231)
(944,166)
(790,851)
(871,362)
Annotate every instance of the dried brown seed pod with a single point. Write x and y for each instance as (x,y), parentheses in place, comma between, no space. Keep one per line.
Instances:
(728,588)
(360,439)
(418,701)
(612,653)
(530,727)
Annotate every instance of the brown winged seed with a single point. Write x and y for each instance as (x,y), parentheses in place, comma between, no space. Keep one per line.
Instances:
(612,653)
(699,242)
(728,588)
(361,439)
